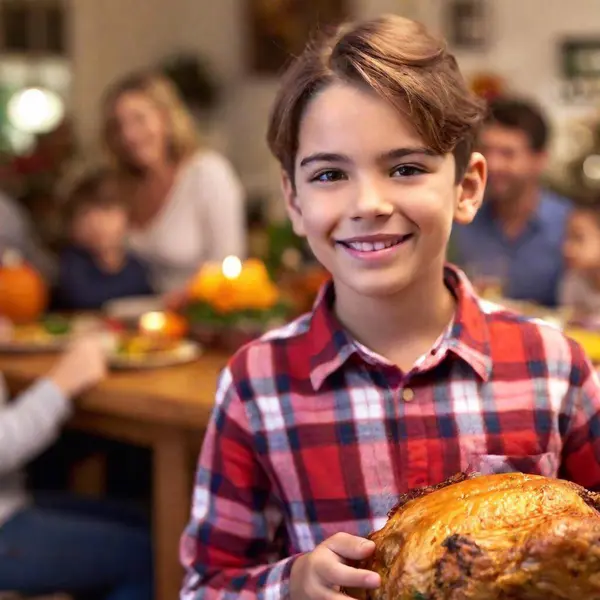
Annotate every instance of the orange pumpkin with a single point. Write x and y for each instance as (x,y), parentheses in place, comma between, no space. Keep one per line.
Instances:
(23,292)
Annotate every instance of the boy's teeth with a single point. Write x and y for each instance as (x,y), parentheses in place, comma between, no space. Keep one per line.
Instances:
(373,246)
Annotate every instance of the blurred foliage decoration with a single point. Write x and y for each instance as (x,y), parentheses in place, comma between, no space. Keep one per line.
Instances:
(194,80)
(6,144)
(281,243)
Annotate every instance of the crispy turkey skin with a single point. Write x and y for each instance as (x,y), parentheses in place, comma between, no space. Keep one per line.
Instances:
(495,537)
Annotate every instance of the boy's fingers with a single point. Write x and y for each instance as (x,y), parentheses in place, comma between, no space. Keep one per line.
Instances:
(349,547)
(334,573)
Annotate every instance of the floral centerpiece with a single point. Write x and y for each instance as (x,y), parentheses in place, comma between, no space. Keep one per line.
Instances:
(232,302)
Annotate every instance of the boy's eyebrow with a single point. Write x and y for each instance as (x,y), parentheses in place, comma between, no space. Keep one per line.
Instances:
(402,152)
(396,153)
(324,157)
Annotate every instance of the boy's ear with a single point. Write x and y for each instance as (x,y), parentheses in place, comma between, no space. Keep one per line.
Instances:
(291,203)
(471,190)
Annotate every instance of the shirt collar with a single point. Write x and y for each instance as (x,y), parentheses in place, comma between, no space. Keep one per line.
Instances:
(467,338)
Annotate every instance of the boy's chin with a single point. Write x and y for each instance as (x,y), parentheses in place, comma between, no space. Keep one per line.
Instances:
(376,286)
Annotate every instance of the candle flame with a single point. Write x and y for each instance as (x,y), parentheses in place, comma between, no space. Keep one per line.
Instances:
(153,321)
(232,267)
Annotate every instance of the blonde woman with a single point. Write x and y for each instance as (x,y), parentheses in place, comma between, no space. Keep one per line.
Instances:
(187,204)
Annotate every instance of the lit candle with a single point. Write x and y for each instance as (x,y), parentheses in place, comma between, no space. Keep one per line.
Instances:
(153,323)
(231,267)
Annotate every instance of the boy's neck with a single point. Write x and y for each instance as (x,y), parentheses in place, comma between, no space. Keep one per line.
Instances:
(401,328)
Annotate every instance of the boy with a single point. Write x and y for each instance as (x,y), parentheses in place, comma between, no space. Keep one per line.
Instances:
(580,287)
(401,376)
(96,267)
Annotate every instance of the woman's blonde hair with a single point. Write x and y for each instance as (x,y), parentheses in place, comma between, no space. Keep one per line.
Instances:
(183,136)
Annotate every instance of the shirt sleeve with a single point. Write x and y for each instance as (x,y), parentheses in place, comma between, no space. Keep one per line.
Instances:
(30,424)
(580,424)
(222,207)
(233,545)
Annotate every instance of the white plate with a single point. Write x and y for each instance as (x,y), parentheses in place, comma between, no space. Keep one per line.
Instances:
(186,352)
(132,308)
(79,325)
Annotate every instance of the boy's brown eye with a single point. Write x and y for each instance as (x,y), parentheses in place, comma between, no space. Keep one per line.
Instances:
(328,176)
(407,171)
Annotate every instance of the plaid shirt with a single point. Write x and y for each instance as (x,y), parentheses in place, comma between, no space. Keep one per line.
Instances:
(312,434)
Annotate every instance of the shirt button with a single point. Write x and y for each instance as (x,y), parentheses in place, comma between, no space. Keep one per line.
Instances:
(407,395)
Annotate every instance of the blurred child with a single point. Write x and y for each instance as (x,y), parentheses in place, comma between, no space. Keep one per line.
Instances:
(580,288)
(96,266)
(69,545)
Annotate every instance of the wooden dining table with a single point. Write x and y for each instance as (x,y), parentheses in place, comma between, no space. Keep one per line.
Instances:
(164,409)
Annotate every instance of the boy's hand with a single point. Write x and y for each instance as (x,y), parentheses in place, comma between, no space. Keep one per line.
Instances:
(320,574)
(81,366)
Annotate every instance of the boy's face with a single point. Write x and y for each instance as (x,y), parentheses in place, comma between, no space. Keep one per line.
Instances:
(375,204)
(581,248)
(100,228)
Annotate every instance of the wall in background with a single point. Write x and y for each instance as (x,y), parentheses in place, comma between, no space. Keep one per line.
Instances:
(110,38)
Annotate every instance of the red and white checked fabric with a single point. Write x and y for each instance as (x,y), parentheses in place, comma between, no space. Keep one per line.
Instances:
(312,434)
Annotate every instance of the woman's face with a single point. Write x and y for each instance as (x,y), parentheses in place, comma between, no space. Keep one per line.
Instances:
(140,130)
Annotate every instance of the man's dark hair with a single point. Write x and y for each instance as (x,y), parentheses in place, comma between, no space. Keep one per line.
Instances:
(522,115)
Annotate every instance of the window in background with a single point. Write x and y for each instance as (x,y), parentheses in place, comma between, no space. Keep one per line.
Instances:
(33,26)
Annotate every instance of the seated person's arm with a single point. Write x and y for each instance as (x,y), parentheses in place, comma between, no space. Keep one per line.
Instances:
(221,208)
(235,532)
(32,422)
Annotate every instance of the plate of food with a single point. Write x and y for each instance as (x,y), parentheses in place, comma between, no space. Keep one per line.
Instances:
(50,334)
(132,350)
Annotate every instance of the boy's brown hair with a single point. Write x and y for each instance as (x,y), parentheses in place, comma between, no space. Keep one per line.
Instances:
(401,62)
(96,189)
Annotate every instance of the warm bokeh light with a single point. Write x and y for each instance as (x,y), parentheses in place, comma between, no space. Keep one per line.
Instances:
(153,322)
(232,267)
(35,110)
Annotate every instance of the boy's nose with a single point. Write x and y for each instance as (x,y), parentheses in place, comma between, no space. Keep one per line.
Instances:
(371,202)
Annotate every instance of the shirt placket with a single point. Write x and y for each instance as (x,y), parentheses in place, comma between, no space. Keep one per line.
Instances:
(415,442)
(418,446)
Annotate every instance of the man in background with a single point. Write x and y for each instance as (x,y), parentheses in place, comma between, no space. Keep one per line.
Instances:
(517,236)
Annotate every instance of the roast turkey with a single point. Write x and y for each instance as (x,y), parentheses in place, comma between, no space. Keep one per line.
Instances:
(495,537)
